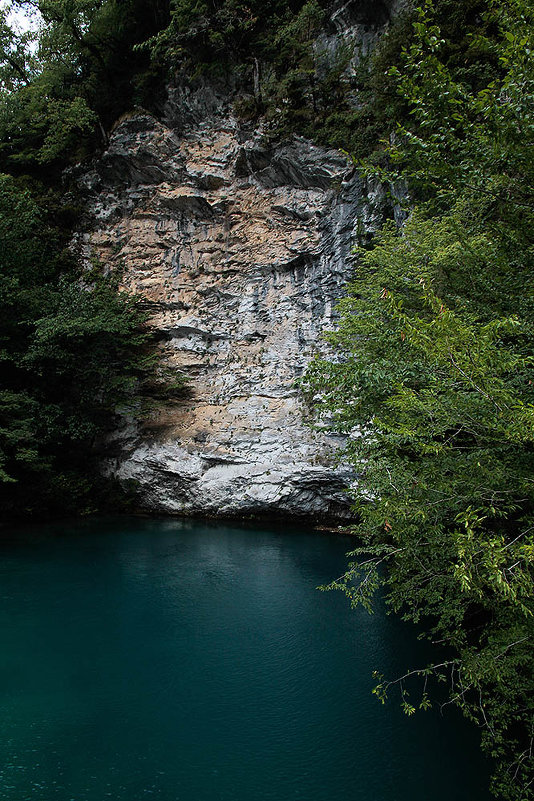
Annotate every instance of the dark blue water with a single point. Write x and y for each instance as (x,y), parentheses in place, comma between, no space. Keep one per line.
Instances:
(183,661)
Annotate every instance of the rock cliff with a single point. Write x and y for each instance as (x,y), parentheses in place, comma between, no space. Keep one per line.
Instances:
(241,249)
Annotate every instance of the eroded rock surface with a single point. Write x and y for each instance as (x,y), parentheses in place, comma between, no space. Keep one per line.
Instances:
(242,250)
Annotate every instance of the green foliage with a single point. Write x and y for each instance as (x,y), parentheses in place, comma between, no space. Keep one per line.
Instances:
(269,50)
(467,33)
(73,354)
(433,384)
(17,60)
(67,120)
(61,89)
(272,53)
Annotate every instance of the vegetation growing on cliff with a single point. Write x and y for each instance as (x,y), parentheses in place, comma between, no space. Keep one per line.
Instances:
(433,380)
(280,66)
(72,347)
(72,351)
(289,66)
(62,87)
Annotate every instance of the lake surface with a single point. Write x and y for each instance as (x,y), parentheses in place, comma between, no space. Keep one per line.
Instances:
(185,661)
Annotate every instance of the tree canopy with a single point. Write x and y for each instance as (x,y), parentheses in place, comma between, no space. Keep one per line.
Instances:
(432,381)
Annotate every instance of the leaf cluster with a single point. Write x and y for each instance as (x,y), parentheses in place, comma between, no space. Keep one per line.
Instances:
(74,354)
(62,86)
(432,382)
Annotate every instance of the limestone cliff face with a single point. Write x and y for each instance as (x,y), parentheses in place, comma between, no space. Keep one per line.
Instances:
(242,249)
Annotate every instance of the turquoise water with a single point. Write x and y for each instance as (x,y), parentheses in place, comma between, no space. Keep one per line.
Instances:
(183,661)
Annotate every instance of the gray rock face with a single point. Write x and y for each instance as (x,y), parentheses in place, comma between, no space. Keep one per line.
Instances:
(242,250)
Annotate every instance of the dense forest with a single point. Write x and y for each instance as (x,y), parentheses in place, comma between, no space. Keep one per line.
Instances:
(432,381)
